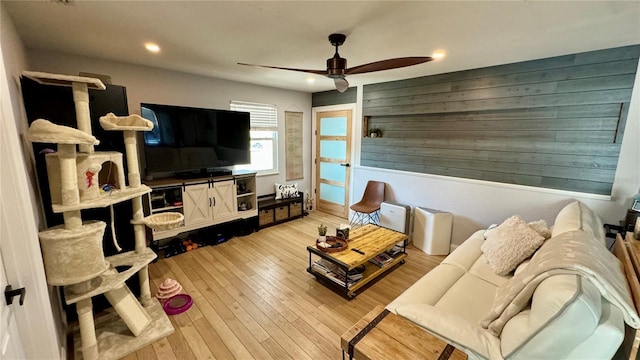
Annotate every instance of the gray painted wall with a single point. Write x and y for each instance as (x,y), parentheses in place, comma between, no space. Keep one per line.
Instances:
(554,123)
(333,97)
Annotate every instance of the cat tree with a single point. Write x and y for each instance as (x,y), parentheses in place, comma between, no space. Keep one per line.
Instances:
(72,253)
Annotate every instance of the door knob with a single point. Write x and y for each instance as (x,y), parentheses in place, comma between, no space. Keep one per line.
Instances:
(10,293)
(345,164)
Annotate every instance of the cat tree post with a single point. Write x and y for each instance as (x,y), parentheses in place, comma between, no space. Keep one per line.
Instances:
(68,178)
(130,125)
(133,168)
(83,115)
(84,308)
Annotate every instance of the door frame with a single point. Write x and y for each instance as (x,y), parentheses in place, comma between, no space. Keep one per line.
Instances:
(354,145)
(41,334)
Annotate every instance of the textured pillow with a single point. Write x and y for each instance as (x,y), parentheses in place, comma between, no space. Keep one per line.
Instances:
(541,227)
(286,191)
(509,244)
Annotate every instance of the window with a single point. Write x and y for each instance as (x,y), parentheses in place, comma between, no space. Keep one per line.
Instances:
(264,136)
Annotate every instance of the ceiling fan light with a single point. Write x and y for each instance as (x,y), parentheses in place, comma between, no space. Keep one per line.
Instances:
(341,84)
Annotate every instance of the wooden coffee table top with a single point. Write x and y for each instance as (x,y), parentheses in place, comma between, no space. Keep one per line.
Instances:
(394,337)
(370,239)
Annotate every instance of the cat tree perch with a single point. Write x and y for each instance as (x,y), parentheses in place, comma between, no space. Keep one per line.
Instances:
(72,252)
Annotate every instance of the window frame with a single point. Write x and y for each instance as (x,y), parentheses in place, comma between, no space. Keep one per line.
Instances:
(267,122)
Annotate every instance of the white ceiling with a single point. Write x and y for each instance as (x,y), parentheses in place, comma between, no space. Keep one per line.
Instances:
(210,37)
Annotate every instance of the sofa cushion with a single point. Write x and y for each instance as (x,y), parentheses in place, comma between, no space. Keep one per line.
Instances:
(430,288)
(470,298)
(578,216)
(481,269)
(467,253)
(509,244)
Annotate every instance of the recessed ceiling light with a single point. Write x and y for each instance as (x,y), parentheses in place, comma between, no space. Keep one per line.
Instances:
(311,80)
(154,48)
(438,55)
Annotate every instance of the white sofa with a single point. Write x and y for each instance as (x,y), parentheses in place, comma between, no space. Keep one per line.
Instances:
(567,317)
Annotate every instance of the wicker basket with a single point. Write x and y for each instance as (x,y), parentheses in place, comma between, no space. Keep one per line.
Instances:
(333,240)
(162,221)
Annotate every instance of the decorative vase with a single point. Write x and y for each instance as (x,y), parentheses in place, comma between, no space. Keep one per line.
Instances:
(322,238)
(374,134)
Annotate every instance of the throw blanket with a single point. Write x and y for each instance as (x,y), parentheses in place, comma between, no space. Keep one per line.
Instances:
(573,252)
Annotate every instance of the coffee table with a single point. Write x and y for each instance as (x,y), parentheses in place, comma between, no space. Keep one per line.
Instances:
(365,243)
(384,335)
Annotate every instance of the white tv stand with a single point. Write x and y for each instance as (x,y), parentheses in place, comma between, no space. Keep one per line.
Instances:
(204,201)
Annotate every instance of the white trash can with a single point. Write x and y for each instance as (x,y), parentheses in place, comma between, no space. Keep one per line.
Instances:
(432,231)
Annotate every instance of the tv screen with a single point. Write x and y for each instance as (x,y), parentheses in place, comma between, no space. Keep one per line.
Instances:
(186,139)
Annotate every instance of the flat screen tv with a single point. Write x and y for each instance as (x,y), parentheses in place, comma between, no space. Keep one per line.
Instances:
(188,140)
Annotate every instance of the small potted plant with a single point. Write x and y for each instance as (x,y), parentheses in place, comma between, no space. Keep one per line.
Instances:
(322,232)
(375,132)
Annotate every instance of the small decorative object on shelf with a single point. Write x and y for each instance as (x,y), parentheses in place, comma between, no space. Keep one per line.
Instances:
(342,231)
(332,244)
(322,232)
(375,132)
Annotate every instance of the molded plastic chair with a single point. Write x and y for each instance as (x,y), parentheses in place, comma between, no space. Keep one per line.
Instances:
(369,207)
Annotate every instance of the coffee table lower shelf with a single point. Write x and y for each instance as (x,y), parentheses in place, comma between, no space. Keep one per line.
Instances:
(371,272)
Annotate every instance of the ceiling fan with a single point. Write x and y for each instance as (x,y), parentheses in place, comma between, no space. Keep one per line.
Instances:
(337,66)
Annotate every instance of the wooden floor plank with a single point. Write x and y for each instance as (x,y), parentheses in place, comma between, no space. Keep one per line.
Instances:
(196,342)
(253,298)
(179,345)
(163,350)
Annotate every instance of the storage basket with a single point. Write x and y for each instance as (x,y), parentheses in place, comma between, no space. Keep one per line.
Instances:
(162,221)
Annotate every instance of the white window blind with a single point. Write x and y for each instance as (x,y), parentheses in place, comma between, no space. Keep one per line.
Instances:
(264,136)
(263,116)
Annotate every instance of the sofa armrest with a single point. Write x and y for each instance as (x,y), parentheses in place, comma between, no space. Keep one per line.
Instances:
(469,337)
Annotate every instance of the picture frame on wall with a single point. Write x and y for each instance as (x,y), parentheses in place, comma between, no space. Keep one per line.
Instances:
(636,205)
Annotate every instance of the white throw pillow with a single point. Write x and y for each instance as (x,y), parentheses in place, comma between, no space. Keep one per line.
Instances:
(541,227)
(286,191)
(510,244)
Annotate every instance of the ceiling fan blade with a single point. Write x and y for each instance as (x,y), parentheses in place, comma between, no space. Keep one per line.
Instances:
(388,64)
(319,72)
(341,84)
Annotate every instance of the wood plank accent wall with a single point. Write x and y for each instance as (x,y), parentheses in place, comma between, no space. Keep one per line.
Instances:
(333,97)
(554,123)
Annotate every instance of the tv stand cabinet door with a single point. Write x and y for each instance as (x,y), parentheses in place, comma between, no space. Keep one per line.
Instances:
(197,204)
(225,202)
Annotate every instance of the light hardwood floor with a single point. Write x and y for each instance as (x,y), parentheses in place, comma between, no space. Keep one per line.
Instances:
(253,298)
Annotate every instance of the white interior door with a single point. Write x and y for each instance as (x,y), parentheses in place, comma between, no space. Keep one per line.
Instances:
(11,346)
(27,331)
(333,161)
